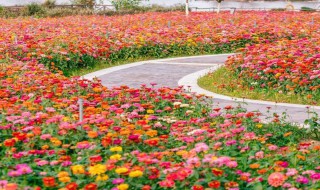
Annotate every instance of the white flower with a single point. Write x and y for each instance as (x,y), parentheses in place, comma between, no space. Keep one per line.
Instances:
(177,103)
(184,105)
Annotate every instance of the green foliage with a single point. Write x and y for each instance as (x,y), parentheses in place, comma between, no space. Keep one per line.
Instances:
(49,4)
(87,3)
(125,4)
(307,9)
(76,62)
(34,9)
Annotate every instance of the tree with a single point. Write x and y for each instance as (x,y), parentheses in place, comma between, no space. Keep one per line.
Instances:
(87,3)
(125,4)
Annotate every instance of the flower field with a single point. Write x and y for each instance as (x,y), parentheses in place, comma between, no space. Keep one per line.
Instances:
(289,65)
(146,138)
(70,43)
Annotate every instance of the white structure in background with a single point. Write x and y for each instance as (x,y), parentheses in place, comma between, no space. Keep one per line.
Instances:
(187,7)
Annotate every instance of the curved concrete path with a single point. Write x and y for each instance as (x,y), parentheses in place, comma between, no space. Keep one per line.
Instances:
(185,71)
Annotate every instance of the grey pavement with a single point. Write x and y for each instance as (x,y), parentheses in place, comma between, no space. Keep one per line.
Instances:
(169,72)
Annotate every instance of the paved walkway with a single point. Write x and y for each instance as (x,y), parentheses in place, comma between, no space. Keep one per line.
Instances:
(168,72)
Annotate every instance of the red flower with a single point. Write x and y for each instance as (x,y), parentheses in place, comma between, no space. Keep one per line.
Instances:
(91,186)
(146,187)
(48,181)
(197,187)
(214,184)
(72,186)
(95,159)
(9,142)
(217,172)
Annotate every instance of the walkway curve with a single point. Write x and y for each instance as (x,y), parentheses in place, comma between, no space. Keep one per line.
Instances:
(185,71)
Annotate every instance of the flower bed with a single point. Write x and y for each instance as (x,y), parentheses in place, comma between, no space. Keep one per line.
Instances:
(70,43)
(144,138)
(147,138)
(285,66)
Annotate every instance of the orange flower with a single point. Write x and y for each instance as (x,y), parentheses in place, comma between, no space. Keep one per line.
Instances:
(11,186)
(262,171)
(300,157)
(254,166)
(93,134)
(287,134)
(276,179)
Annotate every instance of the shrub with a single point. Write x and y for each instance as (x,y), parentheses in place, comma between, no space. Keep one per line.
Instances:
(34,9)
(87,3)
(307,9)
(49,4)
(125,4)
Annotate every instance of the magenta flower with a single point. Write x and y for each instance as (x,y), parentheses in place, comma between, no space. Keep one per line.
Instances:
(117,181)
(302,180)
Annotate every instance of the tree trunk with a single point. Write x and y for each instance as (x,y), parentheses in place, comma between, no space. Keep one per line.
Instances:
(218,10)
(187,7)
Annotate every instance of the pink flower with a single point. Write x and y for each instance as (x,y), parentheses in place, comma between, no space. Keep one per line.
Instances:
(231,142)
(42,162)
(232,164)
(14,173)
(66,163)
(315,176)
(286,185)
(45,136)
(276,179)
(291,172)
(3,184)
(259,155)
(272,147)
(201,147)
(117,181)
(302,179)
(167,183)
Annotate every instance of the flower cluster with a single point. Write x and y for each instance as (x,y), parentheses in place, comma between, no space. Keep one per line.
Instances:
(147,138)
(80,41)
(289,65)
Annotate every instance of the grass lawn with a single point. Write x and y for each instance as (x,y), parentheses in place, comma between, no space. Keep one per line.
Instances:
(223,81)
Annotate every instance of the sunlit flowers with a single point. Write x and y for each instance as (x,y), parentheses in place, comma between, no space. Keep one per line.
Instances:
(276,179)
(97,169)
(136,173)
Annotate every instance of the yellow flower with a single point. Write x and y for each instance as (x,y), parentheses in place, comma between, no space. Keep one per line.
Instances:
(259,125)
(182,152)
(136,173)
(102,177)
(115,157)
(97,169)
(150,112)
(77,169)
(64,177)
(116,149)
(121,170)
(123,186)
